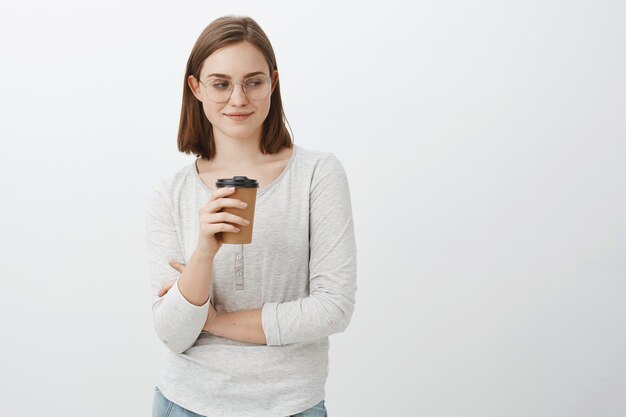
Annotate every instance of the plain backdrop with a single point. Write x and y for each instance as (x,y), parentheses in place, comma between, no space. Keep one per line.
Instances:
(484,144)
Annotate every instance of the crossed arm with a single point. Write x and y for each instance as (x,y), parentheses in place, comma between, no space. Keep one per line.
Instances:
(327,308)
(242,326)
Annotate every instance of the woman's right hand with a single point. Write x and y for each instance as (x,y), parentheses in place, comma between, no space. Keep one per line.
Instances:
(213,222)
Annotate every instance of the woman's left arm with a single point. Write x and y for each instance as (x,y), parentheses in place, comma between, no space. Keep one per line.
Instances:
(243,326)
(330,304)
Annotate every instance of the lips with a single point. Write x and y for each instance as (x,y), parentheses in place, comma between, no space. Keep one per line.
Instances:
(238,116)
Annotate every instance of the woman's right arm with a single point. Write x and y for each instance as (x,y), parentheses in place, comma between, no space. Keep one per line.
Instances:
(180,315)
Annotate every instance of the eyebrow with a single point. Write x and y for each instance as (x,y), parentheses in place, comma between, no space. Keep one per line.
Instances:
(229,77)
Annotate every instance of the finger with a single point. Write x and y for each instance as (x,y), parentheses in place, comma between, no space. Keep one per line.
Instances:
(230,202)
(221,203)
(212,229)
(208,220)
(166,288)
(177,265)
(217,195)
(225,217)
(221,192)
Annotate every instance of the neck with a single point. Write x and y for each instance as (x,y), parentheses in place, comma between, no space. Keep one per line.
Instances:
(237,152)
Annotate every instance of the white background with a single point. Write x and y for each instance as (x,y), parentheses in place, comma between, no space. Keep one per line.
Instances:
(485,147)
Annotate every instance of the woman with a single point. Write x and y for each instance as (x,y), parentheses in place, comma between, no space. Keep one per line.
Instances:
(247,326)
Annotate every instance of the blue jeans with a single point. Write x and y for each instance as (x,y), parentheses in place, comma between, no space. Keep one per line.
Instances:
(162,407)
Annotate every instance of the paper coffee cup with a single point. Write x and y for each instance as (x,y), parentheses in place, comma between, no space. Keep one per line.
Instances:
(245,190)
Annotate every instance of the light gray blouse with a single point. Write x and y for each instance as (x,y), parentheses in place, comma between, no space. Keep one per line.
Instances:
(300,269)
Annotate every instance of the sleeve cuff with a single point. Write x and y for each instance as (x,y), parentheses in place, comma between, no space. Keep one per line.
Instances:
(269,321)
(179,322)
(180,299)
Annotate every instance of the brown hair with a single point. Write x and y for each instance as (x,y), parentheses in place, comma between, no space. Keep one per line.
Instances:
(195,133)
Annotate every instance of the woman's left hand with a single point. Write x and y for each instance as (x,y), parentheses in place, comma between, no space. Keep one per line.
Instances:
(177,266)
(180,268)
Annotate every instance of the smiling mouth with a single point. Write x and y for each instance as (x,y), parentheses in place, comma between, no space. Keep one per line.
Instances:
(238,116)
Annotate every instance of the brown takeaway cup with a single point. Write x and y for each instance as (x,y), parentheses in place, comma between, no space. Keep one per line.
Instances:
(245,190)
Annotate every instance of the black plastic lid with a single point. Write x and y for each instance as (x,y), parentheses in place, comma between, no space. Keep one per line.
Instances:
(238,181)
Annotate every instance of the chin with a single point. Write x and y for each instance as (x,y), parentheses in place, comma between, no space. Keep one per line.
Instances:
(241,134)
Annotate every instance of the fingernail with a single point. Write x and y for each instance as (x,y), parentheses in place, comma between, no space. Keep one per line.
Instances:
(231,188)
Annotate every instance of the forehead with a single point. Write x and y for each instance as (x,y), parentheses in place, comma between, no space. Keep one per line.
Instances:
(235,60)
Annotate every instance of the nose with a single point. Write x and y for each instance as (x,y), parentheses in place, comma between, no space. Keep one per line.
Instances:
(238,97)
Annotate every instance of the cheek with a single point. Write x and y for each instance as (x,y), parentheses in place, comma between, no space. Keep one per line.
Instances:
(264,110)
(211,111)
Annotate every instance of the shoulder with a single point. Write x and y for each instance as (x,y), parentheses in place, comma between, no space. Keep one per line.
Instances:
(175,184)
(316,161)
(322,172)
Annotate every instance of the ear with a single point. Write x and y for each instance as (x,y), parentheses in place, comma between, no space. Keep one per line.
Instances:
(195,87)
(274,80)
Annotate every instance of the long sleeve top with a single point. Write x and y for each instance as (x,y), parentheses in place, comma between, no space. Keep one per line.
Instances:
(300,269)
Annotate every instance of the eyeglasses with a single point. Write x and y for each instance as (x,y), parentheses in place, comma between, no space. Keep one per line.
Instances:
(219,90)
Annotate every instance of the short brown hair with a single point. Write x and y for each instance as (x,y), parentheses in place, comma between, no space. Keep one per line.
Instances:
(195,132)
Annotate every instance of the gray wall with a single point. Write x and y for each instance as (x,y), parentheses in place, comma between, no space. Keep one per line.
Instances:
(484,144)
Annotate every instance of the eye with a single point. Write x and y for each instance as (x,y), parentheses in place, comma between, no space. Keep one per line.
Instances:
(254,82)
(220,84)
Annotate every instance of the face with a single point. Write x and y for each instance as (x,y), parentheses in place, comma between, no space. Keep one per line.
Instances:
(234,63)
